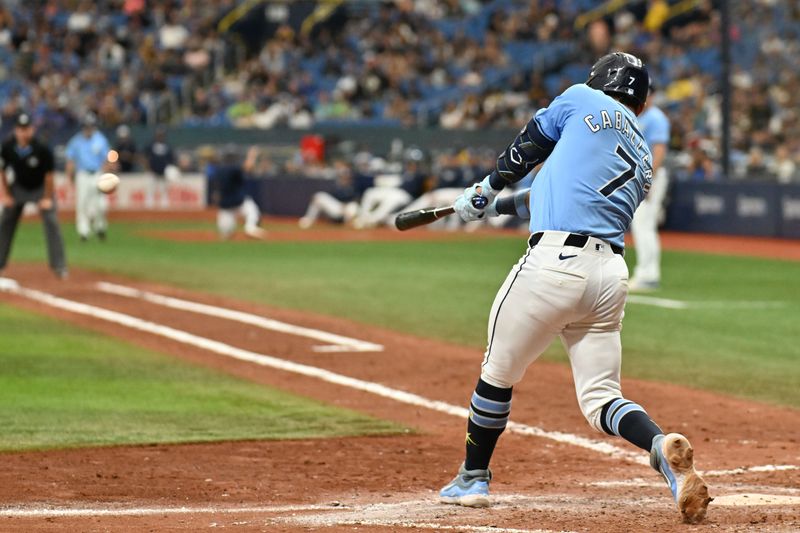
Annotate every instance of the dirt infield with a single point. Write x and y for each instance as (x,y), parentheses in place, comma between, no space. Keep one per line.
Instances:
(551,482)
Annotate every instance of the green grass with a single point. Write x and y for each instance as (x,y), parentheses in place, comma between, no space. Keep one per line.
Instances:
(62,386)
(444,290)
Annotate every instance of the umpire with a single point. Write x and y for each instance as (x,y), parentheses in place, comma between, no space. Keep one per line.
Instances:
(32,164)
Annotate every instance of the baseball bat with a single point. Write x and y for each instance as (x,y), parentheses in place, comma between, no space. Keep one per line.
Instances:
(421,217)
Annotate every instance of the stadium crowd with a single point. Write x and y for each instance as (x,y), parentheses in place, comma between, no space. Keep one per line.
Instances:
(470,64)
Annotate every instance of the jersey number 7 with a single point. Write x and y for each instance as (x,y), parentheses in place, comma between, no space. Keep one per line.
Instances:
(617,183)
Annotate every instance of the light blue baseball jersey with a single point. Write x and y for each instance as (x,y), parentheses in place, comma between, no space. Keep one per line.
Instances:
(88,153)
(599,171)
(655,126)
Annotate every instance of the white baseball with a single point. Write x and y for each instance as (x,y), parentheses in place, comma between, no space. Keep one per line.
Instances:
(108,182)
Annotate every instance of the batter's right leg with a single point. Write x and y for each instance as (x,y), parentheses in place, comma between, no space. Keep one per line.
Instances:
(322,203)
(529,311)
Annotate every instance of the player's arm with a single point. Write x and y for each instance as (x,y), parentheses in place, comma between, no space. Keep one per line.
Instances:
(659,153)
(69,168)
(250,160)
(530,147)
(516,204)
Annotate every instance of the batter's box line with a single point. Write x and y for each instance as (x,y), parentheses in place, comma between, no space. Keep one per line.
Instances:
(338,343)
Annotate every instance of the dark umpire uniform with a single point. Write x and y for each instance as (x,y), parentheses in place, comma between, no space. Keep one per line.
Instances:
(33,165)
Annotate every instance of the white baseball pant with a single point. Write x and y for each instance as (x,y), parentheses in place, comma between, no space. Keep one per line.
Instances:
(577,294)
(226,218)
(157,188)
(379,203)
(323,203)
(91,205)
(644,229)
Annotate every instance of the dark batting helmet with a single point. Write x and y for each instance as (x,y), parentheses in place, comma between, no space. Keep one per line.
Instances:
(620,73)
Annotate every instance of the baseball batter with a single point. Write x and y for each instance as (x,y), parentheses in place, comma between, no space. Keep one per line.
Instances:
(644,228)
(572,281)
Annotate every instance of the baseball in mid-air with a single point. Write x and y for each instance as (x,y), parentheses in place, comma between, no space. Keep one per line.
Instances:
(108,182)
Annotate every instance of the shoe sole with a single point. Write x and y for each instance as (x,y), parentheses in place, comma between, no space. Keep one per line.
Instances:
(693,497)
(471,500)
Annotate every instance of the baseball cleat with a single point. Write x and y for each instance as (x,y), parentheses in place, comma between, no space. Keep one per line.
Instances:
(643,286)
(673,457)
(469,488)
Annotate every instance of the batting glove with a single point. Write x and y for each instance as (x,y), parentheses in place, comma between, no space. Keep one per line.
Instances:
(469,209)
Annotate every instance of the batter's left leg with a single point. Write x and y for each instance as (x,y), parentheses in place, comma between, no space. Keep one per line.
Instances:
(595,356)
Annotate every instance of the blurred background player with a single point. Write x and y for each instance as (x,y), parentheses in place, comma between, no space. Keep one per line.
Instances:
(158,157)
(644,228)
(32,164)
(228,191)
(87,158)
(338,205)
(126,148)
(392,193)
(447,184)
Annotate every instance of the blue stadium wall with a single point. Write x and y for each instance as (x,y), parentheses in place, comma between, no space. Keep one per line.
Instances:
(761,209)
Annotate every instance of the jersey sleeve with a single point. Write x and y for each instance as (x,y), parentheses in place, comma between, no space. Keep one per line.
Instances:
(71,151)
(657,131)
(551,119)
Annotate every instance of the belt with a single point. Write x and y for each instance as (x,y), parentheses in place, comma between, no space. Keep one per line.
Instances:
(574,239)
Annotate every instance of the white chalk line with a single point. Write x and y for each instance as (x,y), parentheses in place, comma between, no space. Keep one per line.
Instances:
(227,350)
(745,470)
(654,483)
(338,343)
(65,512)
(412,514)
(666,303)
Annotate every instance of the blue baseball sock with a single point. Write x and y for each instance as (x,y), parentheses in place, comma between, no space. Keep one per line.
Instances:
(629,420)
(488,416)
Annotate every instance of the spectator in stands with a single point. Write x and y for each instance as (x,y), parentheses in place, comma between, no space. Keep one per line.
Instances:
(757,166)
(701,165)
(783,167)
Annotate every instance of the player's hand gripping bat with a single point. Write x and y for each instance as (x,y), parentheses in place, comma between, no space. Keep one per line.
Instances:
(421,217)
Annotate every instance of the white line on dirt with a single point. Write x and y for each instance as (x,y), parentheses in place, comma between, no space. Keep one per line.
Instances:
(339,343)
(306,370)
(745,470)
(717,486)
(667,303)
(58,512)
(411,524)
(412,514)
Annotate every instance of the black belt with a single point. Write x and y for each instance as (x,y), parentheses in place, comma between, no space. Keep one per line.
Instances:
(574,239)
